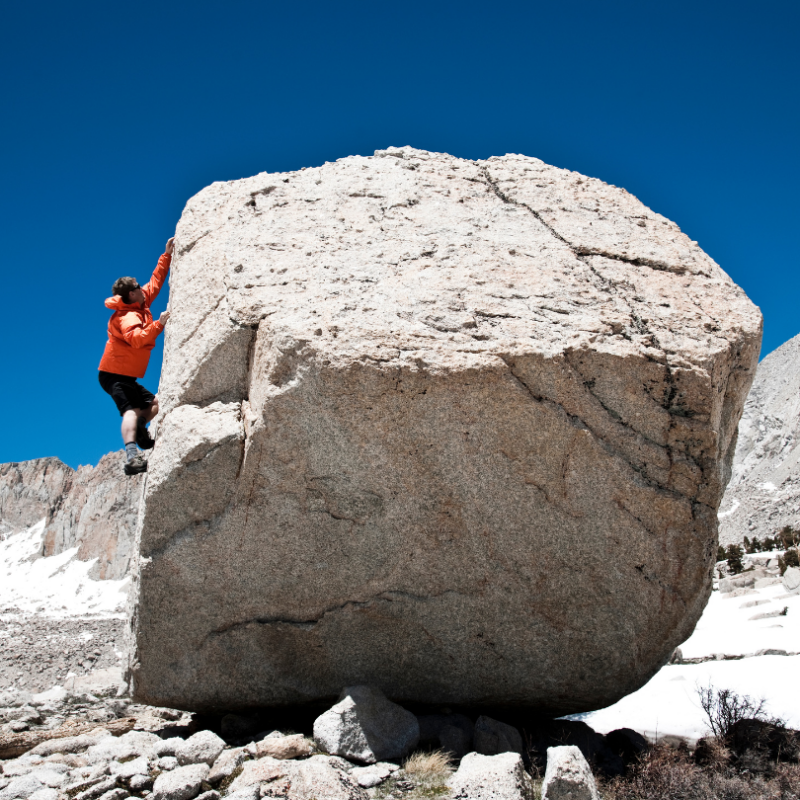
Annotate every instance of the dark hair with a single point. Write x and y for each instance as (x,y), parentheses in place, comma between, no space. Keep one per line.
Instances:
(124,286)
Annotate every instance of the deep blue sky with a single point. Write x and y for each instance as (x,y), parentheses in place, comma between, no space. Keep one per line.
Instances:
(115,114)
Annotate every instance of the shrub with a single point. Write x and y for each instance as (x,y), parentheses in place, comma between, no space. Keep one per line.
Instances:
(720,553)
(724,708)
(668,773)
(789,537)
(788,559)
(734,555)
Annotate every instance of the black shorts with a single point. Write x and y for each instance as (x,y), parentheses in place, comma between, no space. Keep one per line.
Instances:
(126,392)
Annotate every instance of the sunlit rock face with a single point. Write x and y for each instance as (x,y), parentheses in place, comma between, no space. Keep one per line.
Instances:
(454,429)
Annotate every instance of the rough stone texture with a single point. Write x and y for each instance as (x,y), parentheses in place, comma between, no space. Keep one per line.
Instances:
(182,783)
(317,777)
(764,491)
(91,508)
(226,764)
(791,579)
(492,737)
(455,429)
(372,775)
(202,747)
(499,777)
(293,746)
(365,726)
(568,776)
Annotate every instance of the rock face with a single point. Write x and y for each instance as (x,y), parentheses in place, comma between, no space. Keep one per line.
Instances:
(91,508)
(764,491)
(455,429)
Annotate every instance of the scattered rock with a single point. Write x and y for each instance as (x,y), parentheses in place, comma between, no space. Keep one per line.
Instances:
(365,726)
(203,747)
(225,765)
(496,777)
(373,775)
(168,747)
(182,783)
(568,776)
(294,746)
(22,787)
(791,579)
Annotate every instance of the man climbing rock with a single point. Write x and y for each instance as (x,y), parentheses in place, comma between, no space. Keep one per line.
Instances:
(132,334)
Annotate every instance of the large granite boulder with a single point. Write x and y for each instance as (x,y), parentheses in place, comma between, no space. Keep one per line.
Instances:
(454,429)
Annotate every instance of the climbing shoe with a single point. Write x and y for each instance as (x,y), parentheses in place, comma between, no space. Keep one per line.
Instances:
(143,438)
(136,465)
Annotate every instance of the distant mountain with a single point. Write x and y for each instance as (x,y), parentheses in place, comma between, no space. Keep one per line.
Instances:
(91,508)
(764,491)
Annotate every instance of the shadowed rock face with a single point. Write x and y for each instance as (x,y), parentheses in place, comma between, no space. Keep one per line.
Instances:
(455,429)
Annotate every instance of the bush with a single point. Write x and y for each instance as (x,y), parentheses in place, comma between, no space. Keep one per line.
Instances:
(667,773)
(720,553)
(734,555)
(789,537)
(788,559)
(724,708)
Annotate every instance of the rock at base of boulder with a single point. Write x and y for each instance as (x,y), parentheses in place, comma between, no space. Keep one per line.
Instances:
(499,777)
(493,737)
(181,783)
(365,726)
(449,732)
(568,776)
(315,778)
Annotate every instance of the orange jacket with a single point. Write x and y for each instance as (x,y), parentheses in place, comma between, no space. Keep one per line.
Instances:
(132,331)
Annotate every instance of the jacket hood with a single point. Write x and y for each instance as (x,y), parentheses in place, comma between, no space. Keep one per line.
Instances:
(115,303)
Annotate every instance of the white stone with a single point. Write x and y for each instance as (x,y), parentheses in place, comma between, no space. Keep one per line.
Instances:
(365,726)
(568,776)
(182,783)
(791,579)
(498,777)
(203,747)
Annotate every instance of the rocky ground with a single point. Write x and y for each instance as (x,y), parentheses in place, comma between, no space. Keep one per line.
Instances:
(37,653)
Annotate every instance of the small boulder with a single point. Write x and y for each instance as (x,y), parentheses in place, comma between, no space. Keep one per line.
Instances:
(374,774)
(130,745)
(168,747)
(365,726)
(182,783)
(791,579)
(568,776)
(449,732)
(22,787)
(265,770)
(627,744)
(202,748)
(226,764)
(45,794)
(127,769)
(492,737)
(497,777)
(282,747)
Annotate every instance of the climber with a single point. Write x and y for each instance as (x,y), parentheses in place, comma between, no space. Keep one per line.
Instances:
(132,334)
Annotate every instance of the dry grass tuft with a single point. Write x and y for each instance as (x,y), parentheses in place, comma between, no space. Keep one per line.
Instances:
(429,767)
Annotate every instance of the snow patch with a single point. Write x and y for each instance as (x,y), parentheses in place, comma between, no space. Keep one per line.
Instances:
(732,510)
(57,586)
